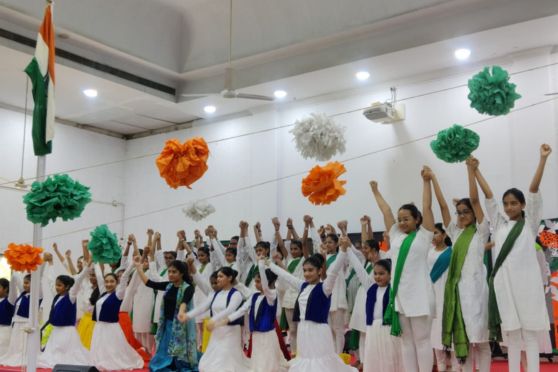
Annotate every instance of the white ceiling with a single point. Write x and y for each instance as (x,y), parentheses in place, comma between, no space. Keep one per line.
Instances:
(292,45)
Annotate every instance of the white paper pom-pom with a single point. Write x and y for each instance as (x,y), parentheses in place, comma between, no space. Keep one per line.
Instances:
(318,137)
(198,210)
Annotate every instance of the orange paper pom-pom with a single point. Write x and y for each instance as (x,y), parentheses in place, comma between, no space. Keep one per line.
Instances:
(23,257)
(549,239)
(183,164)
(321,186)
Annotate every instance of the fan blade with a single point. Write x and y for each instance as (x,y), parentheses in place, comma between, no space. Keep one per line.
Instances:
(254,96)
(198,95)
(551,94)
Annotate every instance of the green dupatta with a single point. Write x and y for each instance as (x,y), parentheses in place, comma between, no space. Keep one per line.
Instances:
(453,325)
(183,343)
(391,316)
(494,320)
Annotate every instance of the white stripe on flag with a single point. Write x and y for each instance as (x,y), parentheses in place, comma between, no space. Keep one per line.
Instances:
(49,135)
(41,54)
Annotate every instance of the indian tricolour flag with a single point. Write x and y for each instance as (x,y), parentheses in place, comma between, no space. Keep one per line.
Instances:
(41,73)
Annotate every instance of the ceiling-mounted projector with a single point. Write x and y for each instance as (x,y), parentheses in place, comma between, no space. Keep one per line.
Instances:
(387,112)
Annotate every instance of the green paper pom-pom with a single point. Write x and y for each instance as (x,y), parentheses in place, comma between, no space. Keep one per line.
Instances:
(491,93)
(58,196)
(104,245)
(455,144)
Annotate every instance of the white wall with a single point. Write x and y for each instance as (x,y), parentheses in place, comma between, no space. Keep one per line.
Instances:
(73,148)
(508,153)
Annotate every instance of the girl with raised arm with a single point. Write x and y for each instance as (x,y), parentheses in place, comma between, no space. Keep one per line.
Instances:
(315,347)
(465,302)
(411,301)
(516,302)
(176,340)
(109,348)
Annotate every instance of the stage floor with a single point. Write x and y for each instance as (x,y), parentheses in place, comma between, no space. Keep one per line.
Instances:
(497,366)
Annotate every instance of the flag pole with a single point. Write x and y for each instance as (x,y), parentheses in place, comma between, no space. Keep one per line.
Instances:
(33,336)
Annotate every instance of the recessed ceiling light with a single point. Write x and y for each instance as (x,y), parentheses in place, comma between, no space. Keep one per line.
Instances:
(362,75)
(462,54)
(210,109)
(280,94)
(91,93)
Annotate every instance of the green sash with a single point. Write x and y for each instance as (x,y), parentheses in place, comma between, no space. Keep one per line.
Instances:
(391,317)
(251,275)
(453,325)
(202,268)
(293,264)
(494,320)
(330,260)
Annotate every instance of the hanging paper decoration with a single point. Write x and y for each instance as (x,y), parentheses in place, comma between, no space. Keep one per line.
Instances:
(322,185)
(455,144)
(198,210)
(23,257)
(490,91)
(318,137)
(104,245)
(58,196)
(183,164)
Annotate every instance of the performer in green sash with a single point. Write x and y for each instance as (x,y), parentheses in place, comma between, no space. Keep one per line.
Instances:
(465,303)
(517,306)
(411,299)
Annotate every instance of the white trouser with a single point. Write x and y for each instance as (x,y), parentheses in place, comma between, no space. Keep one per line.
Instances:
(446,361)
(527,340)
(292,329)
(336,321)
(479,358)
(147,340)
(416,347)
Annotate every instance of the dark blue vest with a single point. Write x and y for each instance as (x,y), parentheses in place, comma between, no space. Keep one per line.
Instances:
(63,313)
(109,309)
(239,321)
(317,308)
(6,312)
(371,302)
(23,310)
(265,317)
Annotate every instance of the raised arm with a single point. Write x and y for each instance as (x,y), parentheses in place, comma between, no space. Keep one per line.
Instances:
(472,166)
(364,236)
(121,288)
(258,232)
(444,209)
(61,258)
(278,237)
(71,267)
(85,250)
(338,264)
(427,215)
(292,229)
(482,182)
(535,183)
(270,295)
(100,278)
(363,277)
(287,277)
(389,219)
(79,280)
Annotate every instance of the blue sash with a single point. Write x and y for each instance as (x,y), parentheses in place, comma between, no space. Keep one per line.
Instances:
(441,265)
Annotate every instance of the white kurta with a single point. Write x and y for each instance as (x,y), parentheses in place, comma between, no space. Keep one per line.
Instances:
(415,296)
(473,287)
(339,295)
(142,305)
(199,296)
(439,287)
(358,317)
(518,284)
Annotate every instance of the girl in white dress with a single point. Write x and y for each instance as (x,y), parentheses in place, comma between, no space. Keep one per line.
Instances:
(411,298)
(381,350)
(315,347)
(438,263)
(8,296)
(466,279)
(204,268)
(15,353)
(224,352)
(262,309)
(109,348)
(517,306)
(64,345)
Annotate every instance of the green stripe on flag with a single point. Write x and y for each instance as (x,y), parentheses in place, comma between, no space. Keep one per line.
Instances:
(40,96)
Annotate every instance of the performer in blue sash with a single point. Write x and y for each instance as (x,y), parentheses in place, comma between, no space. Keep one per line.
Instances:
(8,296)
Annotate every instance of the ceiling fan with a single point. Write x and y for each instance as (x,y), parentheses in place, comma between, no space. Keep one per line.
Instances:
(229,91)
